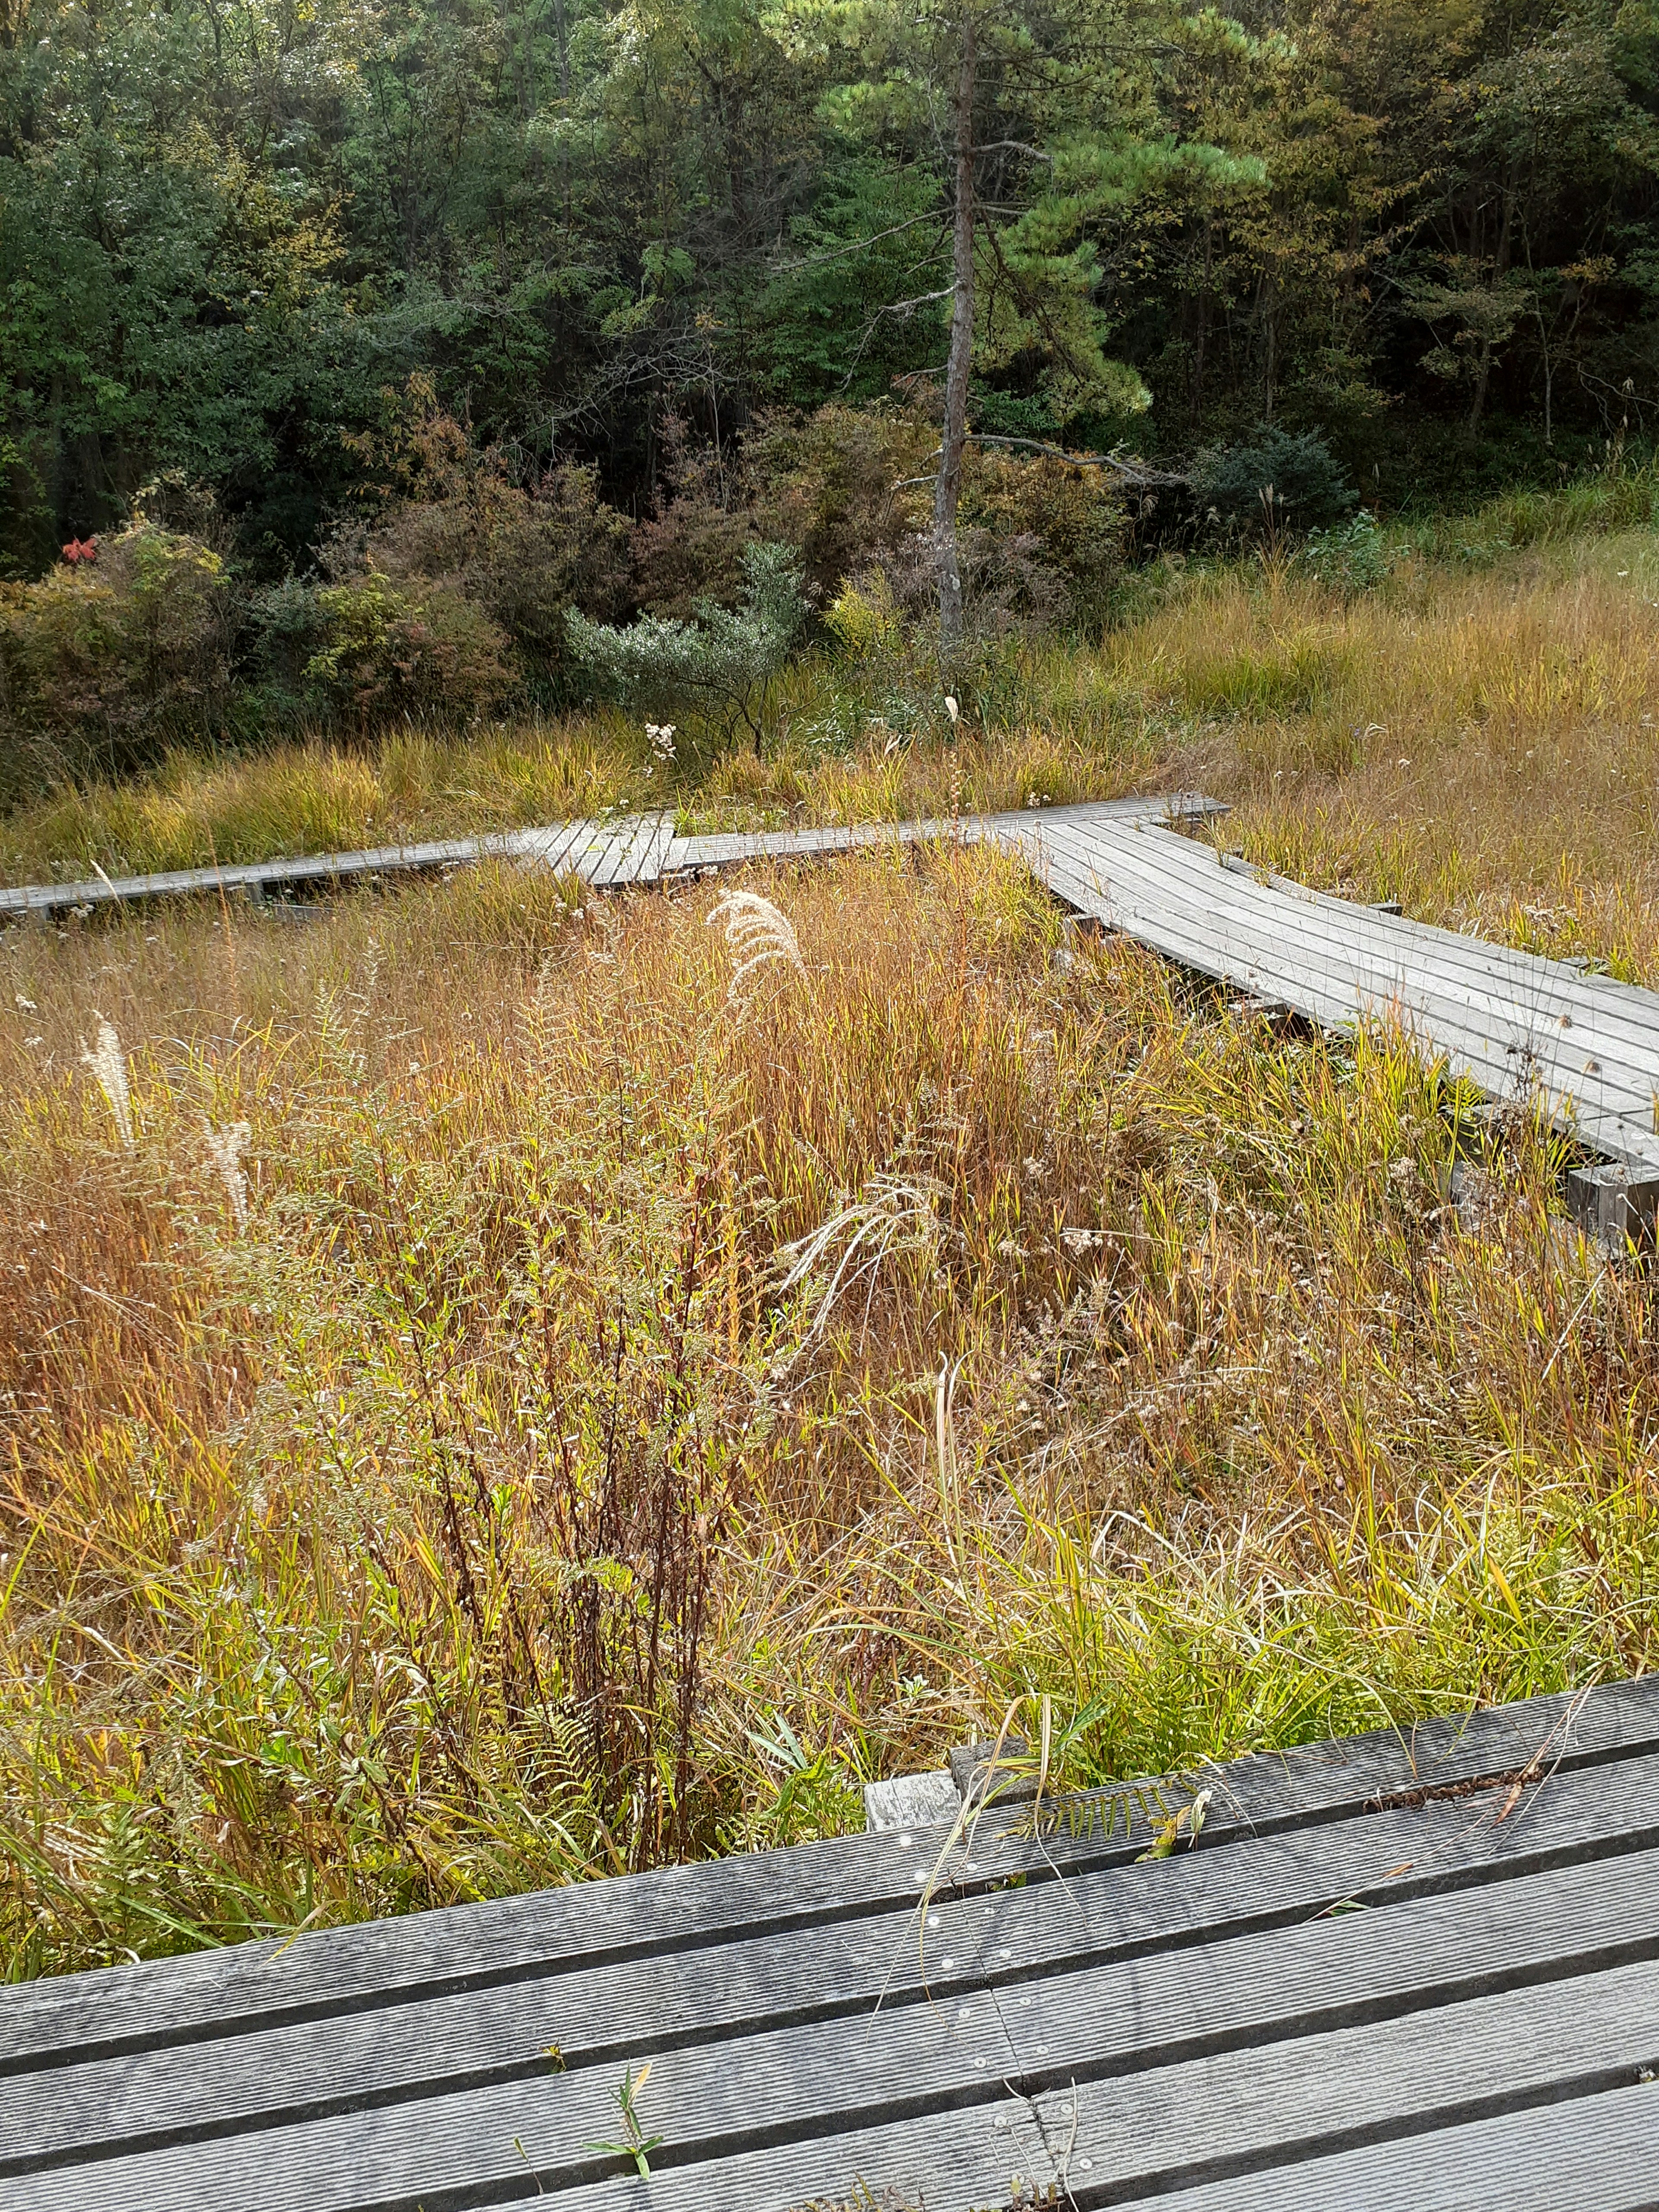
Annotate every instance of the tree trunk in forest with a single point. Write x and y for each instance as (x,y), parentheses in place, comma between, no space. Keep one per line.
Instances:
(1483,372)
(947,488)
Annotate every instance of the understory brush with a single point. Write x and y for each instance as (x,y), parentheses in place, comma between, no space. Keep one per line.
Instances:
(493,1391)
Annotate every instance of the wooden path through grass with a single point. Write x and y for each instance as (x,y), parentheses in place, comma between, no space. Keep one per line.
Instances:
(1414,1970)
(1523,1029)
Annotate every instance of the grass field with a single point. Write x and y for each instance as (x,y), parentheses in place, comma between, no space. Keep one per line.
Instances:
(482,1404)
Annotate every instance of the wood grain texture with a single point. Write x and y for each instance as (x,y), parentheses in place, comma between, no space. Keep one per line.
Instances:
(962,2163)
(910,1801)
(255,1985)
(1600,2151)
(1262,1889)
(770,2089)
(1420,1955)
(1240,2111)
(1518,1026)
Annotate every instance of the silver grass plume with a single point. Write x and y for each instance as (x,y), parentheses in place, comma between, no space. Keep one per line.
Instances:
(106,1061)
(225,1149)
(758,934)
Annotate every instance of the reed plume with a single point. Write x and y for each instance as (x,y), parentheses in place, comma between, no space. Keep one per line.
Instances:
(758,935)
(225,1149)
(106,1062)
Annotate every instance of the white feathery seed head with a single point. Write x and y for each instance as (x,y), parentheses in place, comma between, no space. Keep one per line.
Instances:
(107,1063)
(225,1149)
(758,935)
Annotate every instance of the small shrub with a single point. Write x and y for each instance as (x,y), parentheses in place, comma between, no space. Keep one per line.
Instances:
(1285,479)
(105,660)
(521,556)
(1044,539)
(1351,558)
(691,548)
(864,621)
(725,657)
(833,485)
(830,485)
(430,651)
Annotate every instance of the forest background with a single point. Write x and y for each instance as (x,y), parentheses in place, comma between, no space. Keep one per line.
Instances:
(365,341)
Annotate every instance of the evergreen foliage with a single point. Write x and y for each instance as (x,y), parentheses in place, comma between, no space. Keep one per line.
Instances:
(1275,479)
(725,656)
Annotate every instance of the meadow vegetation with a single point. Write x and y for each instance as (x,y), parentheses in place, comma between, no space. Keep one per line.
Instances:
(523,1405)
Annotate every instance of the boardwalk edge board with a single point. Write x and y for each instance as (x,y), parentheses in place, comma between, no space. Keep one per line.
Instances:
(1251,1911)
(204,1995)
(1130,2028)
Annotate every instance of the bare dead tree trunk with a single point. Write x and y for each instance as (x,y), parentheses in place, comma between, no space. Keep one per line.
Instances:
(947,488)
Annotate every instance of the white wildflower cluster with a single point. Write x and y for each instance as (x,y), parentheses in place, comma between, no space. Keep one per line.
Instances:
(660,736)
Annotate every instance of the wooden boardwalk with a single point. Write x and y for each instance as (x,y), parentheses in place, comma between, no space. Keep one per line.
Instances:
(1521,1027)
(1406,1972)
(633,848)
(1524,1029)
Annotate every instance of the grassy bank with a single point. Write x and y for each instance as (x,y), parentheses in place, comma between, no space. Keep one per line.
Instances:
(481,1403)
(439,1485)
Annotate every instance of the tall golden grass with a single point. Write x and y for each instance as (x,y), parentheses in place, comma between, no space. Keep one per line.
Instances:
(488,1426)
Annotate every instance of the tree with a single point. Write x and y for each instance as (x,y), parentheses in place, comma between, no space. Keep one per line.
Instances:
(1040,117)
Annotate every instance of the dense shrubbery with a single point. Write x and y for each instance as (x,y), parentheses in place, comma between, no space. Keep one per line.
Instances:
(459,589)
(107,654)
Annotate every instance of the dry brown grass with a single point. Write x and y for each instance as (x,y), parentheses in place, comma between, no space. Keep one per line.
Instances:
(493,1509)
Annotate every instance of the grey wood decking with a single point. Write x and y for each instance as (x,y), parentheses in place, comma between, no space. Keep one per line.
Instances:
(633,848)
(1416,1969)
(1525,1030)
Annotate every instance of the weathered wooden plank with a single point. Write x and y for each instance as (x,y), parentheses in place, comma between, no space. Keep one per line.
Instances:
(1598,2151)
(257,1984)
(769,2089)
(646,854)
(564,844)
(733,847)
(302,868)
(552,847)
(970,2161)
(1264,1889)
(1188,2119)
(910,1801)
(1240,2110)
(1502,1041)
(1424,1954)
(1570,982)
(1519,987)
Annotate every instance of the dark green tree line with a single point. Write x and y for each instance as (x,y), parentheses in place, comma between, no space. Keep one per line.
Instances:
(228,227)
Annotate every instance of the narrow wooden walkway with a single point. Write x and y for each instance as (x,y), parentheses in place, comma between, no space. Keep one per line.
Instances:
(633,848)
(1405,1973)
(1524,1029)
